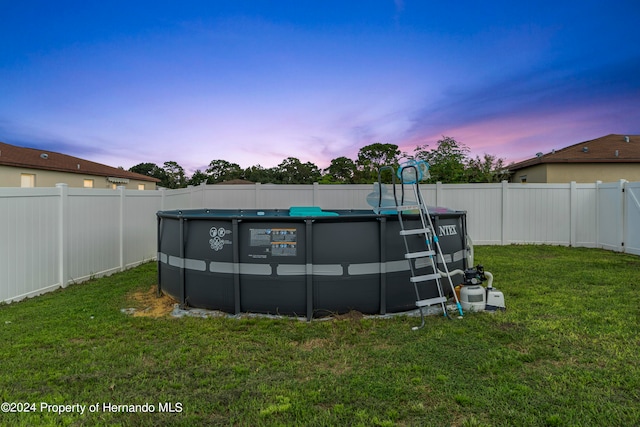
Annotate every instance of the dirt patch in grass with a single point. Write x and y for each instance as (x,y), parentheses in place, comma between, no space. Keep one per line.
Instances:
(149,304)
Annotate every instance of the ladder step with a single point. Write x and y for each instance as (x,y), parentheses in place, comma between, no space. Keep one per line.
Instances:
(431,301)
(425,278)
(422,254)
(415,231)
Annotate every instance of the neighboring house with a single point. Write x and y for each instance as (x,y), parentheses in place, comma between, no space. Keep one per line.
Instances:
(30,167)
(607,159)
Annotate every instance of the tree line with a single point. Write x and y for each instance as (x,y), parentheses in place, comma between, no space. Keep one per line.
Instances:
(449,162)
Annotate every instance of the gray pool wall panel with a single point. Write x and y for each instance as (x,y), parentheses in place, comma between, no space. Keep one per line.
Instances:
(346,260)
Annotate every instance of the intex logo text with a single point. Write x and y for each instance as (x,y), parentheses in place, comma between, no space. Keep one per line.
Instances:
(447,230)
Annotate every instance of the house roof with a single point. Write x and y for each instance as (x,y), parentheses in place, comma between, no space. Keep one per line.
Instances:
(607,149)
(235,182)
(11,155)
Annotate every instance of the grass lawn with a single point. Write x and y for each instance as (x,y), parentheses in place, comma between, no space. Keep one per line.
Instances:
(566,352)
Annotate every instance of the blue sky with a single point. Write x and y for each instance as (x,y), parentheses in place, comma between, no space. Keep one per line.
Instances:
(254,82)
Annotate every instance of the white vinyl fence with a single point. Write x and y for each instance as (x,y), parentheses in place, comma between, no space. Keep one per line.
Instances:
(497,214)
(50,237)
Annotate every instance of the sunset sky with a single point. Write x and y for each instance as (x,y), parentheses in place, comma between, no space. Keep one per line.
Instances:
(255,82)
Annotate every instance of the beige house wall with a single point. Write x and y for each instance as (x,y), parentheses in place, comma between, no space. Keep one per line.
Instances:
(592,172)
(536,173)
(11,177)
(558,173)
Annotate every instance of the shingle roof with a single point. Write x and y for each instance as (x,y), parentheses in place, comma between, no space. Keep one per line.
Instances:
(607,149)
(11,155)
(235,182)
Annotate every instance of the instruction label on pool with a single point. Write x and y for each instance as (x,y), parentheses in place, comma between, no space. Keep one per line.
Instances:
(273,241)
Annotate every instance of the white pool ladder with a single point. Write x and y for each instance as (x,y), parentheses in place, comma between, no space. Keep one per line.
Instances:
(429,238)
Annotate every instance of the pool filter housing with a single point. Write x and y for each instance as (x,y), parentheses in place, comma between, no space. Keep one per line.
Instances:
(473,298)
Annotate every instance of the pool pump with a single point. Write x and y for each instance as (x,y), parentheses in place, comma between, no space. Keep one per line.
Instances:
(474,297)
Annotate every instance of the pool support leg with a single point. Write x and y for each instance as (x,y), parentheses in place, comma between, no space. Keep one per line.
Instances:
(309,267)
(236,266)
(383,266)
(183,282)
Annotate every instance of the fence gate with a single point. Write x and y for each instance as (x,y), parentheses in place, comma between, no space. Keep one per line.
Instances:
(632,218)
(610,233)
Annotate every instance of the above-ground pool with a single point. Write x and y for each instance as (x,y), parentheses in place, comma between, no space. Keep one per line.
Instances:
(301,262)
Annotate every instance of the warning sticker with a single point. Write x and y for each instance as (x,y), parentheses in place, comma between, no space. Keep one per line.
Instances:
(278,241)
(217,240)
(260,237)
(283,249)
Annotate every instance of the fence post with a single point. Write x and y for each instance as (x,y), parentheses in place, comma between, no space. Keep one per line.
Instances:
(598,214)
(505,213)
(62,234)
(121,189)
(200,189)
(439,196)
(573,213)
(257,193)
(624,243)
(315,194)
(192,195)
